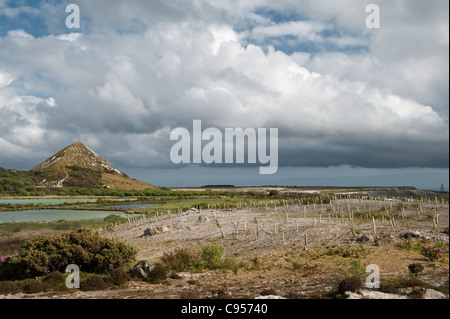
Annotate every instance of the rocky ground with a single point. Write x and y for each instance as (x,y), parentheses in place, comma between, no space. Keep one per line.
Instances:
(301,254)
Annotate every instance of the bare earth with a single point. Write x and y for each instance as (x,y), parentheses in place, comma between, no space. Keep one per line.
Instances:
(287,267)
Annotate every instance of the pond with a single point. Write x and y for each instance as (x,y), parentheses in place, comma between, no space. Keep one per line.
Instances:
(54,214)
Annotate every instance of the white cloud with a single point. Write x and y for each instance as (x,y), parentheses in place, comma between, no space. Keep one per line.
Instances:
(5,80)
(302,30)
(199,62)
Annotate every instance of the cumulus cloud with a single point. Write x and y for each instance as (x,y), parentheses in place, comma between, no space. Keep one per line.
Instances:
(138,70)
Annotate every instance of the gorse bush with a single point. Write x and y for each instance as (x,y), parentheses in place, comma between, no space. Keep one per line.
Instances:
(45,254)
(416,269)
(180,260)
(212,256)
(207,257)
(352,284)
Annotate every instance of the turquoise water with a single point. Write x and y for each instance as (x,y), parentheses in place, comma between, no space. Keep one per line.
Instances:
(54,214)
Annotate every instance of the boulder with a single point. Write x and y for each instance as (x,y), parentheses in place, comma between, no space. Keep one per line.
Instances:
(369,294)
(142,269)
(150,232)
(433,294)
(155,231)
(412,234)
(269,297)
(162,229)
(202,219)
(365,239)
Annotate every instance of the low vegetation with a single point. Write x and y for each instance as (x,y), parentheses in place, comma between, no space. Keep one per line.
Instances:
(45,254)
(206,257)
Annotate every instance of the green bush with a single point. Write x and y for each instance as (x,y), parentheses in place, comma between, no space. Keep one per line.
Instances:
(212,256)
(118,277)
(8,287)
(158,274)
(353,284)
(93,283)
(416,269)
(112,219)
(45,254)
(208,257)
(180,260)
(31,286)
(55,281)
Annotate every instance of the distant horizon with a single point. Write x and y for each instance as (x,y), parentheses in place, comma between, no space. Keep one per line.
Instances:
(425,179)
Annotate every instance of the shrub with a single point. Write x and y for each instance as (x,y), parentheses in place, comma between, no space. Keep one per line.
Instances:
(230,264)
(180,260)
(44,254)
(118,277)
(31,286)
(407,245)
(415,269)
(112,219)
(209,257)
(8,287)
(212,256)
(158,274)
(273,193)
(400,206)
(268,292)
(93,283)
(353,284)
(55,281)
(432,254)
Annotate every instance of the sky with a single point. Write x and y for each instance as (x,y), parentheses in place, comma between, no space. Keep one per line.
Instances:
(353,105)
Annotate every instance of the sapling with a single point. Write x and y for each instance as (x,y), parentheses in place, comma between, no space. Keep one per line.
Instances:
(220,227)
(392,223)
(374,226)
(255,220)
(236,228)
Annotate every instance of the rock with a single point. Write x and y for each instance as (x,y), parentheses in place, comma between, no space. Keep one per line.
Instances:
(162,229)
(367,294)
(365,239)
(434,294)
(412,234)
(445,230)
(202,219)
(142,269)
(193,209)
(150,232)
(269,297)
(155,231)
